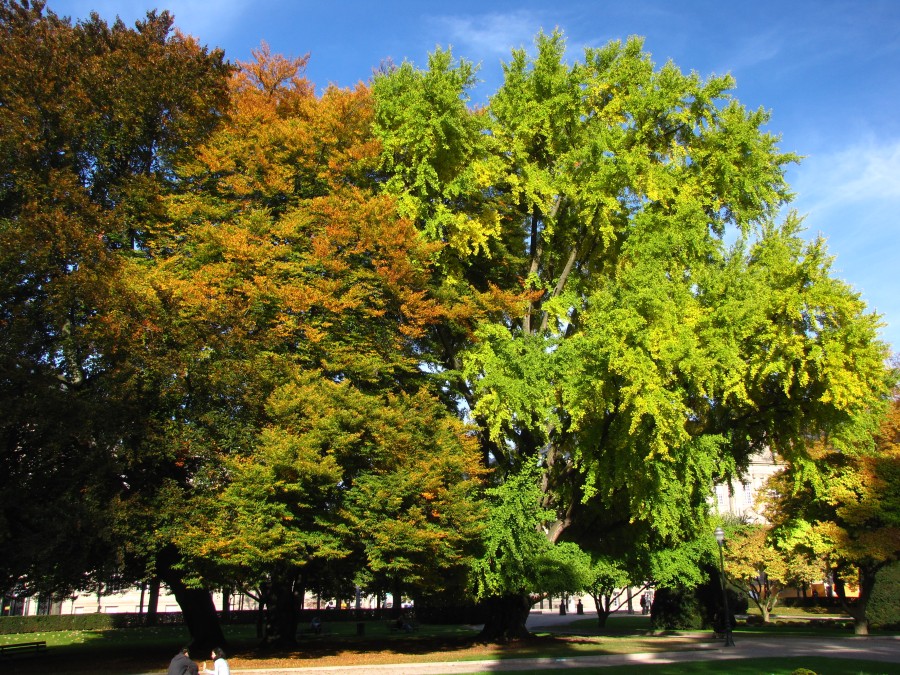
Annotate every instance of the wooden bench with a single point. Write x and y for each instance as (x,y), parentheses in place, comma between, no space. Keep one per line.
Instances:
(23,648)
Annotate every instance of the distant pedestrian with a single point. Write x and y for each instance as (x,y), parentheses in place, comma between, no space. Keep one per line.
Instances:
(181,664)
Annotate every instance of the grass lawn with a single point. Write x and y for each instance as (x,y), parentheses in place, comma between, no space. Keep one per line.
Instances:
(142,650)
(786,666)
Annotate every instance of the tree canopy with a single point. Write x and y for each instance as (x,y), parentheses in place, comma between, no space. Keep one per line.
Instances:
(250,331)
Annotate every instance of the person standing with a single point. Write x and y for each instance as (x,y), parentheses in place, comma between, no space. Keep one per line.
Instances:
(181,664)
(220,665)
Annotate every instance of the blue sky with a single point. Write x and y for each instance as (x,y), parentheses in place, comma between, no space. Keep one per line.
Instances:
(828,70)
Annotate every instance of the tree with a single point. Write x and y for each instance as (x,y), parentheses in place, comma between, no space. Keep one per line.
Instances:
(761,569)
(609,580)
(644,356)
(507,572)
(297,297)
(844,506)
(92,118)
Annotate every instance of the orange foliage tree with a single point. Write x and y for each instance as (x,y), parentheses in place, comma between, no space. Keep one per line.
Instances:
(294,300)
(848,511)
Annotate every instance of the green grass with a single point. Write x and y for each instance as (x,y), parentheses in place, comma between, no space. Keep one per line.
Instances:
(140,650)
(780,666)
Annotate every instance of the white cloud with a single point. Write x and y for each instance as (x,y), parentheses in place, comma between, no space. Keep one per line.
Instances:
(852,197)
(491,34)
(867,173)
(753,51)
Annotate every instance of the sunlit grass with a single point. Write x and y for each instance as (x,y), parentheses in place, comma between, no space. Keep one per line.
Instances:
(778,666)
(141,650)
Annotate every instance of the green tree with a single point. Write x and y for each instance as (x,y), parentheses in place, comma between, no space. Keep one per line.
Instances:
(507,572)
(609,580)
(644,355)
(761,569)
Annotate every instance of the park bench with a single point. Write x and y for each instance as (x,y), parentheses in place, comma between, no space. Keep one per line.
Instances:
(23,648)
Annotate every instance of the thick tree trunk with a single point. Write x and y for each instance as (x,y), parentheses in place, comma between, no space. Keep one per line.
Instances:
(196,605)
(282,617)
(397,606)
(858,610)
(226,604)
(506,617)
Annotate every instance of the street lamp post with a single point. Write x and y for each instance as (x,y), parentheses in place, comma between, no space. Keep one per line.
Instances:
(720,538)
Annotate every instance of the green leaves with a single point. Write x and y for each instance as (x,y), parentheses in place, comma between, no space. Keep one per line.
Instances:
(513,541)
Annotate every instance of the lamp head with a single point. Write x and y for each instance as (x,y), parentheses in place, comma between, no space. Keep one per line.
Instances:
(720,535)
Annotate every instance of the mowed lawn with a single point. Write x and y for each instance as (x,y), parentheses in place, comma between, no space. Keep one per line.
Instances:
(143,650)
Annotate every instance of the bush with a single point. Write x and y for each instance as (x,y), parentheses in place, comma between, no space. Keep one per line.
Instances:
(883,610)
(48,623)
(676,609)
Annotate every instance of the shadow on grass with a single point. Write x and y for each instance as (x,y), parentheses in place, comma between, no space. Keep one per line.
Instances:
(779,666)
(142,650)
(147,650)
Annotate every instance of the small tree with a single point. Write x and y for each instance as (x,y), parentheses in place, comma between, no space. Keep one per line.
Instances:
(609,580)
(761,569)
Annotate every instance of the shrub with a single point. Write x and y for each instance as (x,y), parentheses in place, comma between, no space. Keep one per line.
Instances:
(47,623)
(676,609)
(883,610)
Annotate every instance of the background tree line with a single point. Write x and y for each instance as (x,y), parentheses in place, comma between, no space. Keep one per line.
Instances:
(260,338)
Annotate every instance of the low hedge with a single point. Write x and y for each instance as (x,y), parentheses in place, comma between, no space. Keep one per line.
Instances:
(49,623)
(100,621)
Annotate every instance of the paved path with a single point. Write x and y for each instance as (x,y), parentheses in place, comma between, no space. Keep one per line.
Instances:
(885,649)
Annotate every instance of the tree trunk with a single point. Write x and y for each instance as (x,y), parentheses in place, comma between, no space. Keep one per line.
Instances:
(506,617)
(226,604)
(858,610)
(282,618)
(603,608)
(397,593)
(153,603)
(196,605)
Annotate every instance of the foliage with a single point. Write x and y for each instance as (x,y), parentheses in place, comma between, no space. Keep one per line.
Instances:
(512,539)
(761,569)
(883,610)
(564,570)
(242,321)
(323,452)
(92,118)
(11,625)
(676,609)
(846,511)
(651,358)
(608,580)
